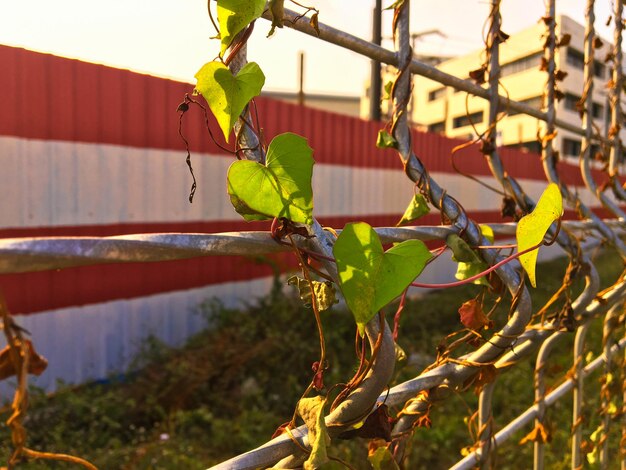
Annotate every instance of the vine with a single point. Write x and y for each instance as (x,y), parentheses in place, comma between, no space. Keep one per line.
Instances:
(278,187)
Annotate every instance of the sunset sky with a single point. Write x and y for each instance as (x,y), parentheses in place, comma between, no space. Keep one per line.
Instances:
(171,38)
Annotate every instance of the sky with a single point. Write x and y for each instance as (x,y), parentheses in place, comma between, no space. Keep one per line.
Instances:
(172,38)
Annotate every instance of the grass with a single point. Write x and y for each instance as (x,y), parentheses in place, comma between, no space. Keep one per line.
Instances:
(234,383)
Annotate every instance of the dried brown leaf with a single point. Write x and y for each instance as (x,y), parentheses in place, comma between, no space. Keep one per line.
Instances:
(502,36)
(314,22)
(586,447)
(538,434)
(560,75)
(487,146)
(478,75)
(548,137)
(36,363)
(424,421)
(507,208)
(282,429)
(597,43)
(486,375)
(472,315)
(565,40)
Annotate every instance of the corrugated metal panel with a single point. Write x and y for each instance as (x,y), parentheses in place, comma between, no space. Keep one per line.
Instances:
(90,150)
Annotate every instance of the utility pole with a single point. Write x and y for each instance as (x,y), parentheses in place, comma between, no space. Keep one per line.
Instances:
(301,80)
(375,80)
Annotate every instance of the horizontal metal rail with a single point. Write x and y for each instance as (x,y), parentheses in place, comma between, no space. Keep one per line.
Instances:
(20,255)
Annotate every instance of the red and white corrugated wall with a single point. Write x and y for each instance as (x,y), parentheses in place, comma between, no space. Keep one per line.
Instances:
(88,150)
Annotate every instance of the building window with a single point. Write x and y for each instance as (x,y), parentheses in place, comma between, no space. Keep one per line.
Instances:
(533,146)
(437,127)
(595,150)
(598,69)
(436,94)
(572,103)
(571,147)
(577,59)
(534,102)
(519,65)
(465,120)
(597,110)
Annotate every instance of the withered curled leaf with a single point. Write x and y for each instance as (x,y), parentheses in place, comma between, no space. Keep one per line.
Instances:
(36,363)
(473,317)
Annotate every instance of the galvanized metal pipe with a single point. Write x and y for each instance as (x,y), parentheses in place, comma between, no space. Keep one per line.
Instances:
(485,421)
(451,208)
(247,139)
(623,420)
(360,400)
(526,417)
(418,173)
(485,414)
(540,392)
(617,120)
(577,398)
(20,255)
(585,160)
(608,328)
(615,93)
(508,182)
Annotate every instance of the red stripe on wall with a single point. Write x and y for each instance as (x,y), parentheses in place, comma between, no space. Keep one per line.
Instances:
(40,291)
(49,97)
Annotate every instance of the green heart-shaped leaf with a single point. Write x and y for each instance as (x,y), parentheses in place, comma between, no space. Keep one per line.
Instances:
(369,277)
(417,208)
(281,187)
(234,15)
(227,95)
(469,263)
(533,227)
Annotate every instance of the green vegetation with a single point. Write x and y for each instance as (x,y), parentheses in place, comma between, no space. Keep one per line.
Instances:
(233,384)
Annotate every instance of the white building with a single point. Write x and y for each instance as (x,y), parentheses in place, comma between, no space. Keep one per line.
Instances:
(442,109)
